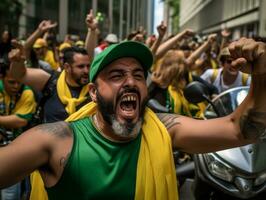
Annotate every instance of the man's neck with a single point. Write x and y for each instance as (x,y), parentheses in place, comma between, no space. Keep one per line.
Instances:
(228,78)
(71,83)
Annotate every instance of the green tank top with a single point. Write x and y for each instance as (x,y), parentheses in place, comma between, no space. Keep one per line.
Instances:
(97,168)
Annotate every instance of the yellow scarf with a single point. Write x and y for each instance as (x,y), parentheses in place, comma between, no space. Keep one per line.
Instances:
(213,64)
(179,101)
(156,178)
(24,106)
(65,95)
(181,105)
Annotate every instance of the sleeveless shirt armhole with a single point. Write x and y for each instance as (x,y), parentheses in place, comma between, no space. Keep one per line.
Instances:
(68,160)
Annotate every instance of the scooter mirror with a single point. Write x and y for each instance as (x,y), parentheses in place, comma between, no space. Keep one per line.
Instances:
(196,92)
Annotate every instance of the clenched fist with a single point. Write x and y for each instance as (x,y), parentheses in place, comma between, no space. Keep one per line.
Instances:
(248,56)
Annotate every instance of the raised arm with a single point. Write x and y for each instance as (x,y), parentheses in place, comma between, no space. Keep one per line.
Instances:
(164,47)
(43,27)
(25,154)
(225,38)
(196,54)
(12,121)
(91,38)
(36,78)
(245,125)
(42,147)
(161,32)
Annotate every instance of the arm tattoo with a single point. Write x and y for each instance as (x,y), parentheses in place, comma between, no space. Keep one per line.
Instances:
(63,160)
(60,129)
(252,125)
(169,120)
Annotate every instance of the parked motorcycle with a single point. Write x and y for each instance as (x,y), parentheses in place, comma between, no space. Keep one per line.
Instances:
(237,173)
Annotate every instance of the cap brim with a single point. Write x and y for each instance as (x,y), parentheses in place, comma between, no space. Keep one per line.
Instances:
(37,46)
(132,49)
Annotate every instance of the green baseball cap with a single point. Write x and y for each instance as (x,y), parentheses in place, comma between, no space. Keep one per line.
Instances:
(132,49)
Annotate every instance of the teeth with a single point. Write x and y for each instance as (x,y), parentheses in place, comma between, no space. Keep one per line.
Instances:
(129,98)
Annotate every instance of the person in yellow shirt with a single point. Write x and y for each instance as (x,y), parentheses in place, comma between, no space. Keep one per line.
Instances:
(43,53)
(17,106)
(61,49)
(39,44)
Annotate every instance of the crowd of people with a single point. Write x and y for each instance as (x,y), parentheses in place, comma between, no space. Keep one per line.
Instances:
(76,118)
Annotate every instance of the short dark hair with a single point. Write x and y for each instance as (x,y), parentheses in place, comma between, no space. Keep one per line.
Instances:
(224,58)
(185,47)
(70,52)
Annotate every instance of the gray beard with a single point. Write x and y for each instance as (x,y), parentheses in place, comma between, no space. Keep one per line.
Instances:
(126,130)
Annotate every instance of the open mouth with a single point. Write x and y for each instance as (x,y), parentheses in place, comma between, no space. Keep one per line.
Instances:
(128,106)
(84,79)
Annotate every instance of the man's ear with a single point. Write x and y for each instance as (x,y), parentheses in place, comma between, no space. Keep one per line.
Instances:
(93,92)
(66,67)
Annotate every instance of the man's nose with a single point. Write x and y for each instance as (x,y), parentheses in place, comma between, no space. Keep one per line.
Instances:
(130,80)
(16,85)
(86,69)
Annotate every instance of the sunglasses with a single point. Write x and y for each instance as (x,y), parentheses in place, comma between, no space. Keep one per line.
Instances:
(228,61)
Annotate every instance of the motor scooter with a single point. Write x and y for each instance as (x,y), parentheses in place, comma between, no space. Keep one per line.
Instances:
(237,173)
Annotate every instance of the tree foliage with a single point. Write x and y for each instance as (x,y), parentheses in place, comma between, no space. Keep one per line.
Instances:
(175,7)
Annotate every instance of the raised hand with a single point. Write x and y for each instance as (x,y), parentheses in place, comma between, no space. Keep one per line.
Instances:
(91,21)
(138,37)
(225,33)
(212,37)
(248,56)
(188,33)
(17,54)
(162,29)
(46,25)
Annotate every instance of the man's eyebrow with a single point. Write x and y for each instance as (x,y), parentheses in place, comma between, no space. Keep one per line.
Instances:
(139,69)
(115,70)
(123,70)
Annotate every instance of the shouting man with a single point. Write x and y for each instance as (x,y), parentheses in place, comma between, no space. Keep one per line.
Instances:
(120,149)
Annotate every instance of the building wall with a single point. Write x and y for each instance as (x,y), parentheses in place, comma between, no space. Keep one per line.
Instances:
(119,16)
(205,16)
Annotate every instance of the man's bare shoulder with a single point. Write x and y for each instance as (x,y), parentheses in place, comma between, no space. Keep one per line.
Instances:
(59,129)
(169,120)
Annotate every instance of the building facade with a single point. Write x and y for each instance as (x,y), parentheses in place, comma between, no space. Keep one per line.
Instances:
(115,16)
(242,17)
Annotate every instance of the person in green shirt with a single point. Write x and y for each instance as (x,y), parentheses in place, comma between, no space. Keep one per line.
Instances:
(121,149)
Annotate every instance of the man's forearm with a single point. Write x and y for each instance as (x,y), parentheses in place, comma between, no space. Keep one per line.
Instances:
(164,47)
(155,46)
(223,43)
(196,54)
(35,78)
(32,38)
(91,42)
(253,122)
(12,121)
